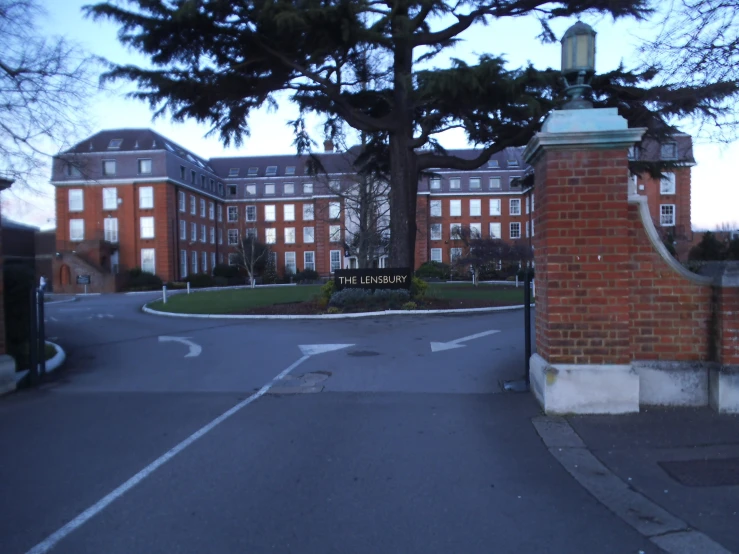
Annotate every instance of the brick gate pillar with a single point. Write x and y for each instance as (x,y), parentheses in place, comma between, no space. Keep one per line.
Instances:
(581,252)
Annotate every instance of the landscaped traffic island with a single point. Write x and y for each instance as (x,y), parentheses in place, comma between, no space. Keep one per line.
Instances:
(316,300)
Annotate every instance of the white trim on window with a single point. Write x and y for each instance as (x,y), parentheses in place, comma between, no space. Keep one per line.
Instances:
(233,237)
(146,227)
(76,199)
(435,231)
(110,198)
(455,208)
(146,198)
(514,206)
(309,260)
(667,215)
(436,255)
(270,235)
(435,208)
(334,260)
(514,230)
(148,260)
(76,229)
(475,207)
(309,235)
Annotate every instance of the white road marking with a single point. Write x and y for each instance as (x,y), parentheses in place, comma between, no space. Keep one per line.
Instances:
(101,316)
(52,540)
(195,349)
(53,318)
(439,346)
(313,349)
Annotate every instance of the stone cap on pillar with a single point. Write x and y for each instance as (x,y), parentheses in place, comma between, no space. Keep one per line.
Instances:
(582,129)
(5,183)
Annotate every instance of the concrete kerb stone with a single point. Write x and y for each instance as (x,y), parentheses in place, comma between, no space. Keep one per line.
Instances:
(57,360)
(667,531)
(145,308)
(64,301)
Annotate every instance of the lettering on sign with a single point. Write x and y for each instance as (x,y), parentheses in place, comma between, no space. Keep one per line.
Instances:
(387,278)
(83,279)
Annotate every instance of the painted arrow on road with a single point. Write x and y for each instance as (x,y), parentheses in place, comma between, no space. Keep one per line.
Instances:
(439,346)
(195,349)
(313,349)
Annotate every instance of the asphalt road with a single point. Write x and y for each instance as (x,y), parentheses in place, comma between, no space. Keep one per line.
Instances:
(380,445)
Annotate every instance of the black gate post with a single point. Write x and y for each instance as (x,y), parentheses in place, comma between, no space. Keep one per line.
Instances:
(33,339)
(41,333)
(527,321)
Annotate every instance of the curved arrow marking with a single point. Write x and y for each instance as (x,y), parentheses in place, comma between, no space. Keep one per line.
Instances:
(195,349)
(439,346)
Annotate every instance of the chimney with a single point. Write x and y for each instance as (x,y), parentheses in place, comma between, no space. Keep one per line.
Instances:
(328,145)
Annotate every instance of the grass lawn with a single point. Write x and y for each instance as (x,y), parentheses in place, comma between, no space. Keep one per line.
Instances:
(234,301)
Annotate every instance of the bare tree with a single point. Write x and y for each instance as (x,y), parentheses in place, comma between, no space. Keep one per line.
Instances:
(251,255)
(45,87)
(479,253)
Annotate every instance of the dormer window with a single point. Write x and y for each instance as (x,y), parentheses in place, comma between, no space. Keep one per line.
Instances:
(232,190)
(253,171)
(233,172)
(271,170)
(73,170)
(290,170)
(668,151)
(512,163)
(493,164)
(115,144)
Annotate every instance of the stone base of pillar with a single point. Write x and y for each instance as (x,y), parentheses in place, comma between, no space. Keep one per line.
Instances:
(584,389)
(7,374)
(673,383)
(724,387)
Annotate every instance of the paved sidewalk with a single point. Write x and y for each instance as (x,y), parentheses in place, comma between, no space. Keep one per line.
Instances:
(684,460)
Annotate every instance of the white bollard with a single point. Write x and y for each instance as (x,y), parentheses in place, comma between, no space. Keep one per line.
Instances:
(164,294)
(188,287)
(516,280)
(533,288)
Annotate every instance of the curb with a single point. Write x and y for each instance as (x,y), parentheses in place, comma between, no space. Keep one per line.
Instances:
(145,308)
(52,363)
(205,289)
(668,532)
(73,299)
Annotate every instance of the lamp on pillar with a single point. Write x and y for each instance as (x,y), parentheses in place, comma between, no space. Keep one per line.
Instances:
(578,65)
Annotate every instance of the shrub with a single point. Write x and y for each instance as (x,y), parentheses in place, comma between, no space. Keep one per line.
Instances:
(334,310)
(433,270)
(142,280)
(410,305)
(220,281)
(328,289)
(226,271)
(176,285)
(349,297)
(307,275)
(364,299)
(200,280)
(269,277)
(322,302)
(418,288)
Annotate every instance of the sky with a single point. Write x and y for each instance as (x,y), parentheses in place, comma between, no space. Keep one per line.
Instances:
(715,194)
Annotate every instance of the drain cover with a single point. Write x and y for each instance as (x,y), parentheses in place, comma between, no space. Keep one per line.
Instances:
(362,353)
(719,472)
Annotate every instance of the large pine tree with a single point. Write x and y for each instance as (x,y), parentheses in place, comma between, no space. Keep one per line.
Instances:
(365,63)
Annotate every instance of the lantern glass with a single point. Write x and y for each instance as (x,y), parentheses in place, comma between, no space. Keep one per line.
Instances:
(578,49)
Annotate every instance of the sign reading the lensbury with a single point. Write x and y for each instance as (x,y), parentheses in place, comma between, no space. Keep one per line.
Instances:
(388,278)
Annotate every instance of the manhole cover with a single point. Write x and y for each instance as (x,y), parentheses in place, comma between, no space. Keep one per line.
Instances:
(704,473)
(362,353)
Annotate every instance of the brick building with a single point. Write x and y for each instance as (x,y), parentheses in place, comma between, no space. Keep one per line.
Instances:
(133,198)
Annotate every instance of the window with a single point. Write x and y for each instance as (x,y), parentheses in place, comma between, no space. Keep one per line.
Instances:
(183,229)
(527,229)
(233,259)
(146,198)
(251,232)
(193,205)
(515,231)
(203,233)
(334,233)
(512,163)
(455,208)
(495,206)
(668,151)
(667,215)
(475,207)
(232,190)
(212,235)
(148,264)
(233,237)
(495,232)
(73,170)
(220,212)
(183,264)
(270,235)
(251,213)
(307,212)
(232,214)
(309,261)
(455,253)
(289,212)
(455,183)
(455,231)
(528,204)
(532,227)
(436,255)
(493,164)
(220,189)
(213,260)
(192,176)
(110,228)
(251,190)
(290,264)
(76,229)
(220,236)
(435,231)
(211,211)
(76,200)
(194,262)
(233,172)
(144,167)
(288,188)
(308,234)
(108,167)
(114,144)
(532,202)
(667,184)
(514,206)
(334,185)
(334,210)
(308,188)
(269,189)
(253,171)
(474,183)
(193,232)
(110,199)
(182,201)
(435,183)
(494,183)
(146,225)
(204,267)
(475,230)
(289,235)
(335,260)
(290,170)
(202,208)
(182,172)
(271,170)
(269,212)
(436,208)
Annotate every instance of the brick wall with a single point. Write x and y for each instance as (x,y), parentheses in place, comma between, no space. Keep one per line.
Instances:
(728,325)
